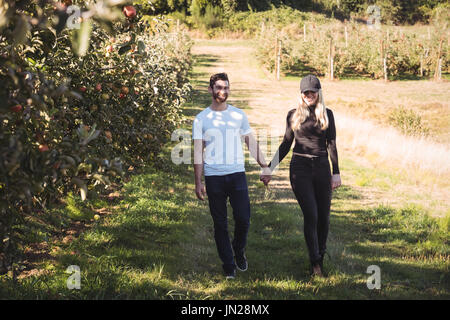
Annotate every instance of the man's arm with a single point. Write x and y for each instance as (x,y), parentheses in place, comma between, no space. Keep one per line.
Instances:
(200,190)
(255,151)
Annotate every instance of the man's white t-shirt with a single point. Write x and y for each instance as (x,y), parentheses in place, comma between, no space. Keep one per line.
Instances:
(222,131)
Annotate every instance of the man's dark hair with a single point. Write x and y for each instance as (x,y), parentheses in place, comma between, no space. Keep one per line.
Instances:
(218,76)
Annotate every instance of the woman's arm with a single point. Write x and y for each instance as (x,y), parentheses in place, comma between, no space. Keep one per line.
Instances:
(285,145)
(332,150)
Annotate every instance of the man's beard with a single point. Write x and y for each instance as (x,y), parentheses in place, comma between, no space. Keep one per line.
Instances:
(219,98)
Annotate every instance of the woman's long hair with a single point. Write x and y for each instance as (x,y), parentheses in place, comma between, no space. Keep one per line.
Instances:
(303,112)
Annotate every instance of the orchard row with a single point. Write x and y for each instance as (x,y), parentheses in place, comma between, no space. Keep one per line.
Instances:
(78,107)
(356,50)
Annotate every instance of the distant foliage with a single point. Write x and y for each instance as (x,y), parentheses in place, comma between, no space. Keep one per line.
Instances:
(392,11)
(408,121)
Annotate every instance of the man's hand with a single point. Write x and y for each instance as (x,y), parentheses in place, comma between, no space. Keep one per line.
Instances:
(335,181)
(266,176)
(265,179)
(200,191)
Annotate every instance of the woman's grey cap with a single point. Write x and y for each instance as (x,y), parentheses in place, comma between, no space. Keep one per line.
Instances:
(310,83)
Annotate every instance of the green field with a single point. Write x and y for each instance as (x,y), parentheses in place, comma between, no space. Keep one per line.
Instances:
(157,243)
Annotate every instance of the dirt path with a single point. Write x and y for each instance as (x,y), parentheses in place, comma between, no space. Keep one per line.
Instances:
(267,102)
(249,86)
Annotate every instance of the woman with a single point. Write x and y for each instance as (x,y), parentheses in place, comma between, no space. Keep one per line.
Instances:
(312,126)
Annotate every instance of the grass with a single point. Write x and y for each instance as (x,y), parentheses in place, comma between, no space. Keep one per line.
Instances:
(159,245)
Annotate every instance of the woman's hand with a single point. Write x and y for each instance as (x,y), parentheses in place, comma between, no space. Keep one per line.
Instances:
(335,181)
(266,175)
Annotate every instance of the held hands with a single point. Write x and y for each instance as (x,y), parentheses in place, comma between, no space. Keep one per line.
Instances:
(266,175)
(335,181)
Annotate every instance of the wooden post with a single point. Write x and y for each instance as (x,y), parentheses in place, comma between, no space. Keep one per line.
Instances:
(332,68)
(278,59)
(383,58)
(304,32)
(421,66)
(331,59)
(437,73)
(346,37)
(276,56)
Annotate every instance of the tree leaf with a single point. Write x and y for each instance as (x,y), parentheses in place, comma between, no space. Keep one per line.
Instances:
(141,47)
(124,49)
(103,179)
(83,188)
(20,31)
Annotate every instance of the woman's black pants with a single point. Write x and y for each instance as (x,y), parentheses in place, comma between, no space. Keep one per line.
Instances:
(311,183)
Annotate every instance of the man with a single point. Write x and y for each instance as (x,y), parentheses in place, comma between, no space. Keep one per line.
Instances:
(218,129)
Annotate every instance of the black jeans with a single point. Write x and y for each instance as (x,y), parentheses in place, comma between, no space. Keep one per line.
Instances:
(311,183)
(219,189)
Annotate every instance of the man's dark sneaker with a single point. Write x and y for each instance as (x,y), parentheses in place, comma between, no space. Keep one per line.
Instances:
(241,262)
(230,275)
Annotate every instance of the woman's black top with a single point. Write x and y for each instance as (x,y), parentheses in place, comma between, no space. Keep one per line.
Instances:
(309,139)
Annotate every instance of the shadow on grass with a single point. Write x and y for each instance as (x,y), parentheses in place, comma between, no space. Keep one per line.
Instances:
(205,60)
(358,238)
(160,245)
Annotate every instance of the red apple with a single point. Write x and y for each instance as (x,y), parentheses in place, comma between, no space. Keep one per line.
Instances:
(43,147)
(16,108)
(129,11)
(60,6)
(98,87)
